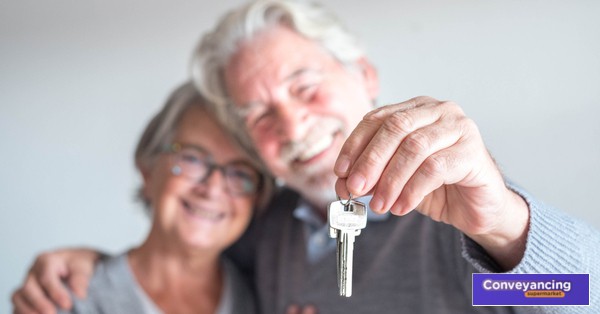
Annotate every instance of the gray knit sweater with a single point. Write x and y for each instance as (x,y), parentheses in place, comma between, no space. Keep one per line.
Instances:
(114,290)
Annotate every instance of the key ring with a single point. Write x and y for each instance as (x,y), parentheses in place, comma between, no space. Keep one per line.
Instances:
(348,202)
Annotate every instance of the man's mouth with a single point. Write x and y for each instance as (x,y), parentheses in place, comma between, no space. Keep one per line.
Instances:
(203,213)
(316,148)
(318,142)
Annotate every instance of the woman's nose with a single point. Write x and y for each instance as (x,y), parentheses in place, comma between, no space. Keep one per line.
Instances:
(214,185)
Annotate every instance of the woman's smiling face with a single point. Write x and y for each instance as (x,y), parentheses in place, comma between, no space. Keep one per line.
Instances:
(199,215)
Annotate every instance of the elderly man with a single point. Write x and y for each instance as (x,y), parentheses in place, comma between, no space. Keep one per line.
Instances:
(296,88)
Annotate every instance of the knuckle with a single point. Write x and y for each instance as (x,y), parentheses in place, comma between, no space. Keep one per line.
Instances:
(15,295)
(375,116)
(468,125)
(434,166)
(399,122)
(45,258)
(451,106)
(416,143)
(448,104)
(372,158)
(28,284)
(423,99)
(45,279)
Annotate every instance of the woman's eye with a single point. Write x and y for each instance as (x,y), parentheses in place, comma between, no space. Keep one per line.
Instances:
(191,158)
(243,178)
(240,174)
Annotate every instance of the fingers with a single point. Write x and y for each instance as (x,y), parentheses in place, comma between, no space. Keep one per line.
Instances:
(399,121)
(20,304)
(309,309)
(31,298)
(296,309)
(369,126)
(293,309)
(342,190)
(442,168)
(410,155)
(46,275)
(417,147)
(408,133)
(43,286)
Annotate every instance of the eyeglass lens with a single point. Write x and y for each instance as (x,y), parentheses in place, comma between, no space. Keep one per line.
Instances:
(239,177)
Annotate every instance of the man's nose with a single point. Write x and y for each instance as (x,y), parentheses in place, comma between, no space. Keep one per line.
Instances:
(292,118)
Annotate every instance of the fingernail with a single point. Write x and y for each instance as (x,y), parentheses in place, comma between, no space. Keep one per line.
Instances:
(376,204)
(356,182)
(342,165)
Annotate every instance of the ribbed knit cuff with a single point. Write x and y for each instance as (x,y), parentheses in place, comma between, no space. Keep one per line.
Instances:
(553,243)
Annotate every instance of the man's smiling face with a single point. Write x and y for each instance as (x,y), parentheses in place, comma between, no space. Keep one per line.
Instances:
(299,105)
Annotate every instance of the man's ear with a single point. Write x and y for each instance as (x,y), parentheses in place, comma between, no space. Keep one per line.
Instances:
(370,76)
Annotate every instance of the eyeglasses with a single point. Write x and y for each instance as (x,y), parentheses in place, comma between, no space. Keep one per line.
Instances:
(196,164)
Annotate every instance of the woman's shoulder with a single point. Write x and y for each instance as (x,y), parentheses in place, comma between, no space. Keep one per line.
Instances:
(112,289)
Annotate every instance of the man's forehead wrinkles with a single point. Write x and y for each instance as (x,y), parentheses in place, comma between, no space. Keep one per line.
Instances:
(267,91)
(249,94)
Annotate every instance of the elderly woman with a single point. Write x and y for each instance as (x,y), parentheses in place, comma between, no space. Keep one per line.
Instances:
(201,190)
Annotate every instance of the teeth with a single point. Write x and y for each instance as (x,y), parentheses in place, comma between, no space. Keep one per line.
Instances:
(212,215)
(317,147)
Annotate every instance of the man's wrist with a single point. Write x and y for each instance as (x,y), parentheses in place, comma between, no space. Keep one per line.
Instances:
(507,242)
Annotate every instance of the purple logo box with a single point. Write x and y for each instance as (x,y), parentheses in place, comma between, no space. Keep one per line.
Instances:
(531,289)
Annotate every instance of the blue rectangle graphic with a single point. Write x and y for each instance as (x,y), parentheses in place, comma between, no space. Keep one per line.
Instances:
(531,289)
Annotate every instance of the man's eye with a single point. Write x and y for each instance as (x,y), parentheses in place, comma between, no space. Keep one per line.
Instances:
(261,118)
(307,92)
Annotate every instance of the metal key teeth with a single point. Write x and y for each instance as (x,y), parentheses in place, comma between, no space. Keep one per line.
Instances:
(346,263)
(346,273)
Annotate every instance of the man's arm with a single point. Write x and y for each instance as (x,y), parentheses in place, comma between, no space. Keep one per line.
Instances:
(43,287)
(425,154)
(555,243)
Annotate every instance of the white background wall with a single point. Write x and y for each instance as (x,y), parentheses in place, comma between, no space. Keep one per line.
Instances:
(79,80)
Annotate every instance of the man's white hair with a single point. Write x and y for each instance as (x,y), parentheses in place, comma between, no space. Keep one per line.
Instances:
(217,47)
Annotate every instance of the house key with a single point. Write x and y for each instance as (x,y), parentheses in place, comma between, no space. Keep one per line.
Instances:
(346,220)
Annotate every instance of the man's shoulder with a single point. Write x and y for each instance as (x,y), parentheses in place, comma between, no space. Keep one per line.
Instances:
(284,199)
(243,251)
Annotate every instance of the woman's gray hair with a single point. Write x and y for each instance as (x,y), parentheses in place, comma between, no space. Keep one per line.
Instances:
(217,47)
(162,127)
